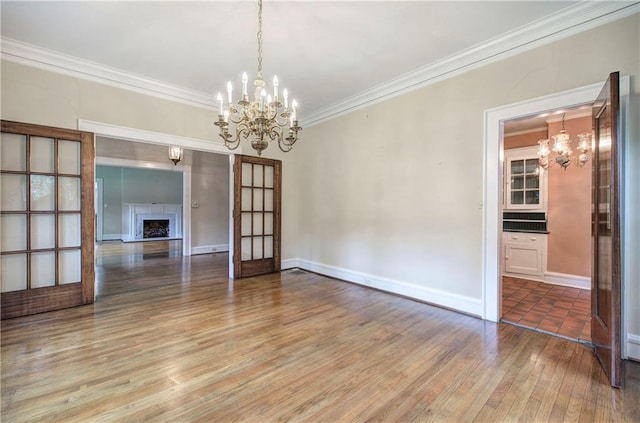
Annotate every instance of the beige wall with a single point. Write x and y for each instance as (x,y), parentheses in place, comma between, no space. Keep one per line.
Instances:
(395,189)
(569,217)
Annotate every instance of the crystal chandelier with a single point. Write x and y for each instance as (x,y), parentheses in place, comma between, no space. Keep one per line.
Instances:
(562,149)
(262,120)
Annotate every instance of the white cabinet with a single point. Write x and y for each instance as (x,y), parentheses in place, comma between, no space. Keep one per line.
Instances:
(524,253)
(525,187)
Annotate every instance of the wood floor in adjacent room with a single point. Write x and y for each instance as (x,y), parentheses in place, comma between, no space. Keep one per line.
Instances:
(171,339)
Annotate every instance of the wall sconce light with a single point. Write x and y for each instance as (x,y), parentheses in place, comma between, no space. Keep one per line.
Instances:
(175,154)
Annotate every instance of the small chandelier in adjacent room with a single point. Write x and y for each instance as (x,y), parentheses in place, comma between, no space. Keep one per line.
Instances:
(561,146)
(175,154)
(262,120)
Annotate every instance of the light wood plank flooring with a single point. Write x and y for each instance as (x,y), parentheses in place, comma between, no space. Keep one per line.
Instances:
(171,339)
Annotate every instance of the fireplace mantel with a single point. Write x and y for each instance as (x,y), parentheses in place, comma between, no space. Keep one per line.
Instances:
(135,213)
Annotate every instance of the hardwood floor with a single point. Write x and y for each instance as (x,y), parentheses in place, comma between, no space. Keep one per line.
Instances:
(179,342)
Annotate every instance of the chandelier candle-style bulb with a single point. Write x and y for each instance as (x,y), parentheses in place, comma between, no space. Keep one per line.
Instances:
(275,88)
(229,91)
(220,108)
(245,79)
(285,95)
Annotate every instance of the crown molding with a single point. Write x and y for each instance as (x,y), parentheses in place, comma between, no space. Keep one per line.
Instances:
(38,57)
(570,21)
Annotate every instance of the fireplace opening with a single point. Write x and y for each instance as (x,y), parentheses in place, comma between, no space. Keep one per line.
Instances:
(155,228)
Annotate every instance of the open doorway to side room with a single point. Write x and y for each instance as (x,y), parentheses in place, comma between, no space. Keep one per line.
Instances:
(545,258)
(187,205)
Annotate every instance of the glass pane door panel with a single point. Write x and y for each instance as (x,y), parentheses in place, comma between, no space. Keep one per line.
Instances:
(246,199)
(268,200)
(268,247)
(69,230)
(532,197)
(245,249)
(257,199)
(532,182)
(68,194)
(517,197)
(517,167)
(531,166)
(246,224)
(258,175)
(268,176)
(43,231)
(257,247)
(69,157)
(42,153)
(43,269)
(70,261)
(14,232)
(268,223)
(42,193)
(13,152)
(13,189)
(257,224)
(14,272)
(246,174)
(517,182)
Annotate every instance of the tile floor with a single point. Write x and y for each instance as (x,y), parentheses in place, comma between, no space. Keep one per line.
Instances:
(550,308)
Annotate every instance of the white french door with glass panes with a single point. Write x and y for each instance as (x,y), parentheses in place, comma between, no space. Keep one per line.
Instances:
(524,180)
(46,218)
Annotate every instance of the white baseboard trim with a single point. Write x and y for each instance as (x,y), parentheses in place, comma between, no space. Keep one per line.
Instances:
(289,264)
(633,346)
(111,237)
(207,249)
(574,281)
(433,296)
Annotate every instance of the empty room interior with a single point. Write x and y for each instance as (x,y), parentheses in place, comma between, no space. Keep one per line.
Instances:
(320,211)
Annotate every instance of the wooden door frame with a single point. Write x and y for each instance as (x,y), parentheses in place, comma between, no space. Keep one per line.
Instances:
(606,335)
(493,179)
(237,210)
(32,301)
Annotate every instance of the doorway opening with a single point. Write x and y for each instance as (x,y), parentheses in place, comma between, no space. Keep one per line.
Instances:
(546,227)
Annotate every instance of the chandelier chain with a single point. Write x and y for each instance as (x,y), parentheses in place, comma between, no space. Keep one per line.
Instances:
(259,39)
(262,119)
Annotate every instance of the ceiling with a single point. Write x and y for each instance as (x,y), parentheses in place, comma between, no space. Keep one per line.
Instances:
(322,51)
